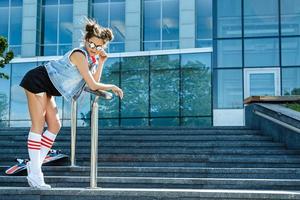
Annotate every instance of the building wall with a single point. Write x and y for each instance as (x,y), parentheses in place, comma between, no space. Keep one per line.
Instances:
(246,36)
(252,37)
(161,88)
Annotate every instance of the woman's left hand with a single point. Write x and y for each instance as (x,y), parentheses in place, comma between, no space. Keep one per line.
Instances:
(102,56)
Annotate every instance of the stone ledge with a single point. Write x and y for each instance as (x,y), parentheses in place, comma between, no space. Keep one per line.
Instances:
(272,99)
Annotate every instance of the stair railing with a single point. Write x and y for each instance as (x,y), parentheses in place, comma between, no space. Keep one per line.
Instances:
(94,132)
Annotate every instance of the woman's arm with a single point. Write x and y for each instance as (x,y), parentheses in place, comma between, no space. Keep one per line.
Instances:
(79,60)
(98,73)
(82,65)
(102,58)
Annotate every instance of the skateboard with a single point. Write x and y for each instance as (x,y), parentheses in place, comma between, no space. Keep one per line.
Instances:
(21,163)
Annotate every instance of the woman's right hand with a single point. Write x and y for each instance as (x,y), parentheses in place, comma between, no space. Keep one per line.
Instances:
(118,91)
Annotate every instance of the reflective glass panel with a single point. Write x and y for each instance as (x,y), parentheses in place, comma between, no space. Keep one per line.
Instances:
(135,85)
(164,84)
(170,20)
(4,18)
(152,46)
(290,50)
(4,96)
(262,84)
(20,123)
(152,20)
(62,49)
(84,109)
(19,109)
(204,23)
(228,88)
(117,20)
(100,12)
(291,81)
(65,23)
(49,50)
(111,75)
(116,47)
(229,53)
(229,18)
(15,26)
(50,20)
(134,122)
(197,122)
(16,2)
(290,17)
(4,3)
(261,18)
(196,84)
(108,123)
(50,2)
(261,52)
(164,122)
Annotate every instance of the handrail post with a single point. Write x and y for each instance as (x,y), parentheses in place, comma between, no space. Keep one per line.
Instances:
(94,143)
(73,131)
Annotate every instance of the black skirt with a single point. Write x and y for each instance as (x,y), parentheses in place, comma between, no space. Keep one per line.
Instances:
(37,81)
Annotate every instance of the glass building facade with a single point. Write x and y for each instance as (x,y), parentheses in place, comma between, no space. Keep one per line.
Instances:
(160,90)
(260,35)
(180,63)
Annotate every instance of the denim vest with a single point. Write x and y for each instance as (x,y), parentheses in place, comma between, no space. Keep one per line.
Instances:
(65,76)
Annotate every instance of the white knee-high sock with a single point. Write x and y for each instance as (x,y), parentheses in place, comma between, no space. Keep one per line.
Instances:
(34,147)
(48,139)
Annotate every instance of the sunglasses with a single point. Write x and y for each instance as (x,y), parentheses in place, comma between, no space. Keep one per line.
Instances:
(92,45)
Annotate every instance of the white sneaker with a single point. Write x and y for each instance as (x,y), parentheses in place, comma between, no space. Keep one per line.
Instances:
(36,180)
(28,172)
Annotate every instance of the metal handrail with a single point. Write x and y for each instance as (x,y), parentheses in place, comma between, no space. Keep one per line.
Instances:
(94,132)
(281,123)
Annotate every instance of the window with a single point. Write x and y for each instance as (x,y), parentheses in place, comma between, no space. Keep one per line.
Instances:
(229,53)
(290,50)
(4,96)
(196,89)
(164,84)
(261,18)
(204,23)
(11,24)
(57,27)
(290,17)
(135,84)
(161,24)
(229,18)
(261,52)
(291,81)
(111,13)
(228,88)
(19,115)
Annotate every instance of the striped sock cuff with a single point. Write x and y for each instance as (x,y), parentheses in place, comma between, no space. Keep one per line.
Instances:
(34,141)
(47,142)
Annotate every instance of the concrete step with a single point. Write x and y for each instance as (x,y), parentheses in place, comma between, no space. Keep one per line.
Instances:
(177,143)
(172,172)
(186,158)
(160,182)
(173,164)
(162,137)
(191,164)
(134,131)
(26,193)
(169,150)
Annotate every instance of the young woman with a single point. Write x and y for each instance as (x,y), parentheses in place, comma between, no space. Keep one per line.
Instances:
(64,77)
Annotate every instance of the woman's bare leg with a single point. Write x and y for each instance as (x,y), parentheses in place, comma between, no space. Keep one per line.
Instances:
(54,125)
(37,110)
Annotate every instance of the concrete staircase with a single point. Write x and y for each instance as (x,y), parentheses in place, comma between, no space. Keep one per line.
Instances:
(223,163)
